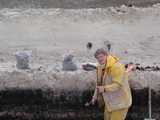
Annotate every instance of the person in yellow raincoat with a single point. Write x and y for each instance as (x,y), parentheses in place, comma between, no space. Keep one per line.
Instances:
(112,88)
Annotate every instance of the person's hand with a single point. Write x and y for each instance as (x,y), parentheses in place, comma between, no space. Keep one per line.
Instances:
(130,68)
(100,89)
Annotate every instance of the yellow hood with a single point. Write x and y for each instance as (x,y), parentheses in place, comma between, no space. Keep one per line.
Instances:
(111,60)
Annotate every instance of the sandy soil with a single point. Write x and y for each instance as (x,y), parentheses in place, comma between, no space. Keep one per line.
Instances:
(51,33)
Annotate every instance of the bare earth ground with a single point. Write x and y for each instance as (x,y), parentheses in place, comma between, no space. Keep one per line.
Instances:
(133,32)
(51,33)
(76,4)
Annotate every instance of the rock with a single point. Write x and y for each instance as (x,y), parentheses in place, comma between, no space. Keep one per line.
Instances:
(108,45)
(68,64)
(23,58)
(89,45)
(88,67)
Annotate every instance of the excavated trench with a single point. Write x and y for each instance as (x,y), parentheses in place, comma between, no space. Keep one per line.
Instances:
(41,95)
(27,104)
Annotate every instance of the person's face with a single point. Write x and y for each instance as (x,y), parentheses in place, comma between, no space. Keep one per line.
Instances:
(101,58)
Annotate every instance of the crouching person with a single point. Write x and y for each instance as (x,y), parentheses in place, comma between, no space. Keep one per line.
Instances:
(112,91)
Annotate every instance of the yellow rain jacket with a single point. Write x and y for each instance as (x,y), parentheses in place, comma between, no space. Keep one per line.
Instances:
(117,95)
